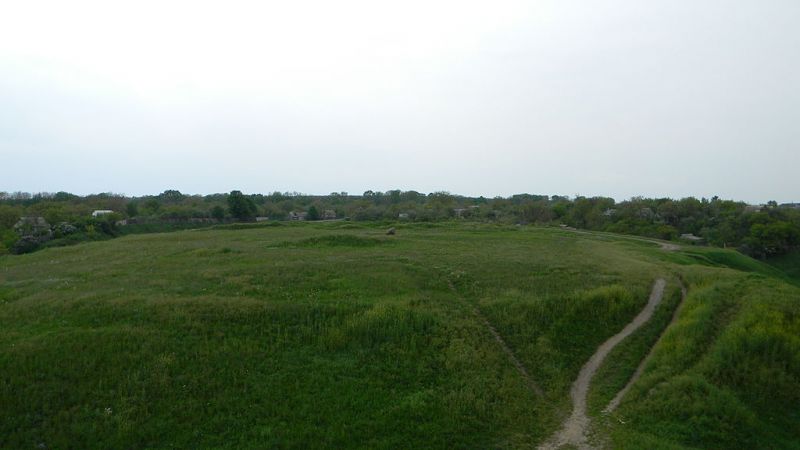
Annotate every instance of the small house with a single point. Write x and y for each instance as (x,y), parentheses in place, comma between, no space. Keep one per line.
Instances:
(101,212)
(689,237)
(753,208)
(329,214)
(402,216)
(298,215)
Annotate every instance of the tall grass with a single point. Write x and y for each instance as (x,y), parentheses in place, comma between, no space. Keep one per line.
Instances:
(727,375)
(333,335)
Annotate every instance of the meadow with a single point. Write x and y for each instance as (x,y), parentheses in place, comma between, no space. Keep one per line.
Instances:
(336,335)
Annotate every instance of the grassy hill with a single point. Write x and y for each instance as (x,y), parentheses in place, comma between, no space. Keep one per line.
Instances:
(336,335)
(789,264)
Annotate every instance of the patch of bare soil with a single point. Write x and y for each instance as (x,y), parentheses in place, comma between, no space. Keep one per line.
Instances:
(666,246)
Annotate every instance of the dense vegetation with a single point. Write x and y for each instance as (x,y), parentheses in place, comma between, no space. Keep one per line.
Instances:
(762,231)
(336,335)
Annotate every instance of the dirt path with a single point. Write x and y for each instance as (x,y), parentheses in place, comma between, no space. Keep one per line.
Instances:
(574,429)
(666,246)
(500,341)
(612,405)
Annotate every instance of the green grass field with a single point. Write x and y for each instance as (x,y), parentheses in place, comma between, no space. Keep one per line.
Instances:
(335,335)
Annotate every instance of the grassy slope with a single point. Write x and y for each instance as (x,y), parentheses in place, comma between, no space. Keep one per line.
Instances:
(339,336)
(727,374)
(788,264)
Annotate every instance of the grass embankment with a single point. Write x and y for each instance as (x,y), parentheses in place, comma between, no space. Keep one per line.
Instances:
(788,264)
(335,335)
(727,373)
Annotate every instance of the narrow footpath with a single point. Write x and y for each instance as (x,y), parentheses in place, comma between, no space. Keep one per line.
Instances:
(612,405)
(575,428)
(502,343)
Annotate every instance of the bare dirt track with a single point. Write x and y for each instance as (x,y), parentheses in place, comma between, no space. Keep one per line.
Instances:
(574,430)
(612,405)
(664,245)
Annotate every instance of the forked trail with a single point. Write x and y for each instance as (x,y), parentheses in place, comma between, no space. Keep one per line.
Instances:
(612,405)
(574,429)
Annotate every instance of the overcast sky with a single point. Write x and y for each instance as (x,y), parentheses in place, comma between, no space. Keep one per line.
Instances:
(608,97)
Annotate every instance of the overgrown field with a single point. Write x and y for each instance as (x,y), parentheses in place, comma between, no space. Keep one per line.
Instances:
(335,335)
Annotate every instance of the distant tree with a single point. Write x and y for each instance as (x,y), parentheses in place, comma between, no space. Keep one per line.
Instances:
(9,215)
(152,206)
(313,213)
(394,196)
(63,196)
(535,211)
(218,212)
(775,238)
(171,196)
(241,206)
(132,209)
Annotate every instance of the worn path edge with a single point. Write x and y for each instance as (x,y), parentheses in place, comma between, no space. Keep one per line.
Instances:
(612,405)
(575,428)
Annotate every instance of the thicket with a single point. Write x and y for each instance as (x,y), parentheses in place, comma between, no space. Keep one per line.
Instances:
(763,231)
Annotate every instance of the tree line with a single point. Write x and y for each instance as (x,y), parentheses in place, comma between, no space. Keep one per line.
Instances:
(759,231)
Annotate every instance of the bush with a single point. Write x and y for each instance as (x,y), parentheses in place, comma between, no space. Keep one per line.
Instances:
(25,244)
(64,229)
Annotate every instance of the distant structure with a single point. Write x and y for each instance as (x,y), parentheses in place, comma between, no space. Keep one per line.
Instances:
(298,215)
(262,219)
(790,205)
(609,212)
(328,214)
(753,208)
(402,216)
(689,237)
(101,212)
(459,212)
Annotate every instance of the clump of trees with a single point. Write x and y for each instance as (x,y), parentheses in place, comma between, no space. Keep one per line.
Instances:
(241,206)
(761,232)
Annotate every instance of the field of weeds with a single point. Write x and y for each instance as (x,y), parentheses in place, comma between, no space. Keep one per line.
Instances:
(337,335)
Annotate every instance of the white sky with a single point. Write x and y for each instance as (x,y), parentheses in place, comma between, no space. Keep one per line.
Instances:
(607,97)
